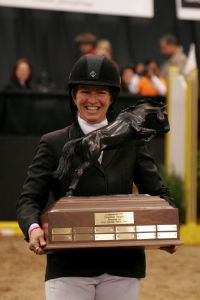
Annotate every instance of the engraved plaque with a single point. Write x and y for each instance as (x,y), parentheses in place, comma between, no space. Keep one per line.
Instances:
(125,229)
(112,218)
(167,235)
(146,236)
(104,237)
(147,228)
(83,237)
(61,230)
(167,227)
(61,238)
(83,229)
(125,236)
(104,229)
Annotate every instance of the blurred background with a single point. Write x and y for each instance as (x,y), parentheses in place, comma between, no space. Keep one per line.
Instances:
(47,38)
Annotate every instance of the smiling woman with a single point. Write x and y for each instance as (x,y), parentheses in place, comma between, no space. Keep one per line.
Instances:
(94,83)
(80,274)
(92,102)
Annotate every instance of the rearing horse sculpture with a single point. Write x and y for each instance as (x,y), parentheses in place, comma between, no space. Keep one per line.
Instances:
(129,124)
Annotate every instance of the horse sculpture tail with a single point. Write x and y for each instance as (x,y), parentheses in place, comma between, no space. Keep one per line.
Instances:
(65,159)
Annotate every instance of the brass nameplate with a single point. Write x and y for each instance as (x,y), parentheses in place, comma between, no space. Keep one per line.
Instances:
(167,235)
(104,229)
(83,229)
(112,218)
(61,238)
(146,228)
(146,236)
(125,229)
(83,237)
(104,237)
(167,227)
(61,230)
(125,236)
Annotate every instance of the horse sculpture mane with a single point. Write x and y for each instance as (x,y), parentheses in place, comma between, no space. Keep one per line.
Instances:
(131,123)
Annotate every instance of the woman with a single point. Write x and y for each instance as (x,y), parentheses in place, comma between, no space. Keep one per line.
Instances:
(104,47)
(101,274)
(21,76)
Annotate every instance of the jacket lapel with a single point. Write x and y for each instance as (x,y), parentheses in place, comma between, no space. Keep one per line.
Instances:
(75,131)
(107,157)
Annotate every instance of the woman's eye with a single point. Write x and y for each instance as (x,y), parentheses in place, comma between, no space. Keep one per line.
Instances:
(102,93)
(85,91)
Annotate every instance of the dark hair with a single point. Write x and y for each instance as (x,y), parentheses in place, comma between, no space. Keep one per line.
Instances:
(129,67)
(169,39)
(16,65)
(85,38)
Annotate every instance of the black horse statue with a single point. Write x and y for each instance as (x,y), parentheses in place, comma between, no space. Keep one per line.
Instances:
(129,124)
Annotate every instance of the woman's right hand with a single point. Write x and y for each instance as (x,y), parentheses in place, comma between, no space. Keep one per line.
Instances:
(37,241)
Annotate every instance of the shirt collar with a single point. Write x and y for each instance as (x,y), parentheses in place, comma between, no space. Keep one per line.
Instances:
(89,127)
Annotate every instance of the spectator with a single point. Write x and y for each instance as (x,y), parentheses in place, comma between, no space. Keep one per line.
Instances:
(174,54)
(139,68)
(21,76)
(150,84)
(129,80)
(86,42)
(104,47)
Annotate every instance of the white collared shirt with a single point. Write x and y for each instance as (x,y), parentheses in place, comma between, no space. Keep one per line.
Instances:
(89,127)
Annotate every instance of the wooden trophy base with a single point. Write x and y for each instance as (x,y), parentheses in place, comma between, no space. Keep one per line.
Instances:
(111,221)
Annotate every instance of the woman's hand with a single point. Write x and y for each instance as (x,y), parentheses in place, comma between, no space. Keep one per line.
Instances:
(37,241)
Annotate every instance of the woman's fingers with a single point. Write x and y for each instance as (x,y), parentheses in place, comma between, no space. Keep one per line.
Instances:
(37,241)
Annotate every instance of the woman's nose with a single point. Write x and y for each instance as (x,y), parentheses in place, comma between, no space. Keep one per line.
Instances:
(92,97)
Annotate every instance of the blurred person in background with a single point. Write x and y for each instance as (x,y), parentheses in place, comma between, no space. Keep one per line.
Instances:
(104,47)
(21,76)
(151,84)
(139,68)
(129,80)
(173,53)
(86,43)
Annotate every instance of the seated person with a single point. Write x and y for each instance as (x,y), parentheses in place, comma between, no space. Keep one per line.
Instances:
(139,68)
(150,84)
(129,80)
(104,47)
(21,76)
(86,43)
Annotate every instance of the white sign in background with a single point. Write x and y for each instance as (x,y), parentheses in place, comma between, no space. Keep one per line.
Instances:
(185,10)
(141,8)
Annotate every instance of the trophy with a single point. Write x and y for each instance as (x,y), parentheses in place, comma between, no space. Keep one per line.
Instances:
(111,220)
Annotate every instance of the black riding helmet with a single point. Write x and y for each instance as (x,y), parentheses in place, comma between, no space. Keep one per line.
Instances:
(94,70)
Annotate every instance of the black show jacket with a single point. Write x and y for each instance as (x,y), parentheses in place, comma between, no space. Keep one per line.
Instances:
(120,167)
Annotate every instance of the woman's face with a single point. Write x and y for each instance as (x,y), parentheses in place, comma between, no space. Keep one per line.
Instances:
(23,71)
(127,75)
(92,102)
